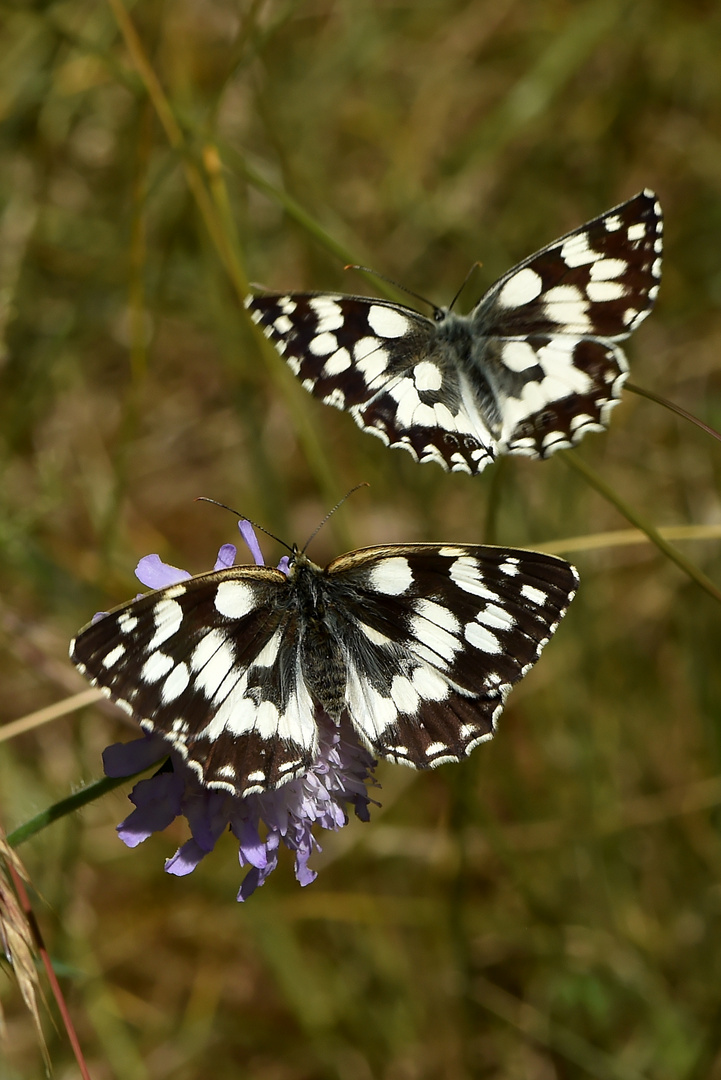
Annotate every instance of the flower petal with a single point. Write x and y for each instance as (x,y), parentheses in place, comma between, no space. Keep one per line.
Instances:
(248,533)
(226,557)
(155,574)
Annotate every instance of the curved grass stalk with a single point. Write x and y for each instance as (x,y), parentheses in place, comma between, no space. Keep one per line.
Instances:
(628,537)
(591,477)
(50,712)
(212,206)
(673,407)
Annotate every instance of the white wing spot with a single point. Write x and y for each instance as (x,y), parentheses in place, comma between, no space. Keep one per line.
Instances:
(267,719)
(156,667)
(404,695)
(481,638)
(435,748)
(336,398)
(234,599)
(127,623)
(438,614)
(269,653)
(567,307)
(387,322)
(636,231)
(576,252)
(175,683)
(111,658)
(521,288)
(340,361)
(605,269)
(391,576)
(429,684)
(612,223)
(465,572)
(496,617)
(435,637)
(602,291)
(370,357)
(536,596)
(322,344)
(519,355)
(168,616)
(330,314)
(427,376)
(213,659)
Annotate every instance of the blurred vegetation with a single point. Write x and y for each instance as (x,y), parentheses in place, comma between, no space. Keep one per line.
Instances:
(550,909)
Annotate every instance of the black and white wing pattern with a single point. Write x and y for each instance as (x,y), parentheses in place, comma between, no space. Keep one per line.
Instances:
(418,645)
(531,369)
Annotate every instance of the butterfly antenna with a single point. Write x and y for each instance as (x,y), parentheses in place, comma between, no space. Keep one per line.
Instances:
(311,538)
(467,278)
(397,285)
(223,506)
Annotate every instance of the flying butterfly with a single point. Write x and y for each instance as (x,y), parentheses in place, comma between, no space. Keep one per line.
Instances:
(534,366)
(417,644)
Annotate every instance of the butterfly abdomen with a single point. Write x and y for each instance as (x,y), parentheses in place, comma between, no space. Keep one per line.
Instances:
(321,657)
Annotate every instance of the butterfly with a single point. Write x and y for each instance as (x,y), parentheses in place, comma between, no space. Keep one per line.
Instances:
(534,366)
(418,644)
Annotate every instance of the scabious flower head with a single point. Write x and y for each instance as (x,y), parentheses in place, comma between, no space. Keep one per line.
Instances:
(336,780)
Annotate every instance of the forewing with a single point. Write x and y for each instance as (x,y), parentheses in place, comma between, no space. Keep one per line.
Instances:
(211,664)
(600,280)
(381,363)
(551,326)
(437,636)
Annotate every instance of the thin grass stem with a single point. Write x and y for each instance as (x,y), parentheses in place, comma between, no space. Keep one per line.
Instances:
(221,235)
(60,809)
(591,477)
(673,407)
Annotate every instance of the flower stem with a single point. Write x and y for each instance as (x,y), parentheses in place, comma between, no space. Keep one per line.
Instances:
(66,806)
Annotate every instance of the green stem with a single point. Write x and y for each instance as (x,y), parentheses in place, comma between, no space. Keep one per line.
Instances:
(66,806)
(673,407)
(592,477)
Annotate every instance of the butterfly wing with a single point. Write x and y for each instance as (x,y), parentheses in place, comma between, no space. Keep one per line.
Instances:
(550,327)
(211,664)
(435,636)
(382,363)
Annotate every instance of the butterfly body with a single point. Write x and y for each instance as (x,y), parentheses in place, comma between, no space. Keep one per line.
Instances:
(418,645)
(533,367)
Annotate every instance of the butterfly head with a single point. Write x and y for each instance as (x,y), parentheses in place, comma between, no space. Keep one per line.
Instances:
(298,561)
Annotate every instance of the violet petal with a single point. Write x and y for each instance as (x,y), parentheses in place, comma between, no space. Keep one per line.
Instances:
(155,574)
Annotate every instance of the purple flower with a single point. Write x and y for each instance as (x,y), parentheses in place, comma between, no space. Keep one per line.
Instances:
(336,780)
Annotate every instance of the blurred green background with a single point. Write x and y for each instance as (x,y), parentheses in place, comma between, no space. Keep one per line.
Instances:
(551,908)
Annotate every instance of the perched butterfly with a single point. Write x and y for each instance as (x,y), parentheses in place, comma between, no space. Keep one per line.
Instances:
(535,365)
(418,644)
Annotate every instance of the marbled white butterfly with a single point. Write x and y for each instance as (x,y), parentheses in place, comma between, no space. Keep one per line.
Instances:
(419,643)
(535,365)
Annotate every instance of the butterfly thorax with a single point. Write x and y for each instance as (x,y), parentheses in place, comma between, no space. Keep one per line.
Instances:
(458,339)
(318,623)
(455,334)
